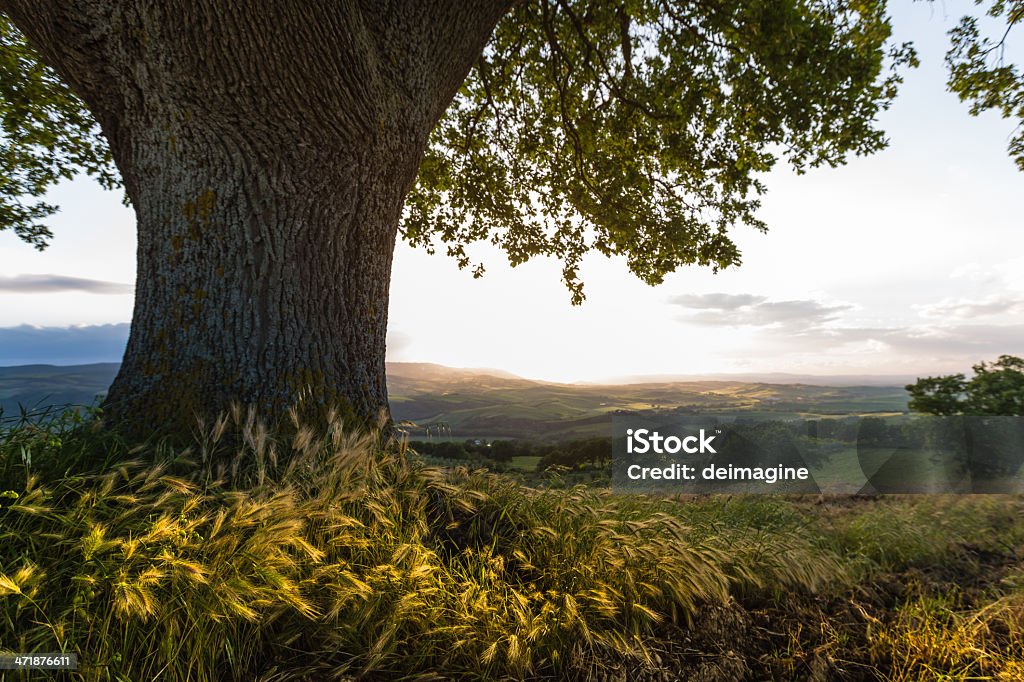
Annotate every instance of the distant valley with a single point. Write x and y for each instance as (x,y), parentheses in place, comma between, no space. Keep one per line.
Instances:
(483,403)
(34,387)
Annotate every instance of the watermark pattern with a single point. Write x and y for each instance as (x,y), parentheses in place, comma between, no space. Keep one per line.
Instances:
(836,455)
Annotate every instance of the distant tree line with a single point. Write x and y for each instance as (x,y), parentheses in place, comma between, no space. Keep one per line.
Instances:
(973,429)
(996,389)
(576,453)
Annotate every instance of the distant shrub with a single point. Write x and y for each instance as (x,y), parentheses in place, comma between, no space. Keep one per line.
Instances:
(595,452)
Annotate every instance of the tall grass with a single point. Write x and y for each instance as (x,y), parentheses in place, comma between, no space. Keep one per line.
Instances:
(320,553)
(331,553)
(938,637)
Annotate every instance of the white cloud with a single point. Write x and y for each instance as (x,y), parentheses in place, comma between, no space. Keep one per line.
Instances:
(953,334)
(716,301)
(49,284)
(967,309)
(929,345)
(748,310)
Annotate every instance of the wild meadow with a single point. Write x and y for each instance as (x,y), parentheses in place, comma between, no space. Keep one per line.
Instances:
(310,553)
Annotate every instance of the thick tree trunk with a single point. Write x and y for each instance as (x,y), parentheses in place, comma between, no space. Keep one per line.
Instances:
(267,148)
(261,280)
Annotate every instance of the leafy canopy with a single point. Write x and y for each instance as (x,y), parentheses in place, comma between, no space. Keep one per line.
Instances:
(640,128)
(46,135)
(979,73)
(996,389)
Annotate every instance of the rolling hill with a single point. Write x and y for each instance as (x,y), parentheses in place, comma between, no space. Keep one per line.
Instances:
(39,386)
(464,403)
(485,403)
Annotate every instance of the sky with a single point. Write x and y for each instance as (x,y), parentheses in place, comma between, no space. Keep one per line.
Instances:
(908,262)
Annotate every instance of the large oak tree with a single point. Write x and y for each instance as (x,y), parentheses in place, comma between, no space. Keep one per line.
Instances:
(273,150)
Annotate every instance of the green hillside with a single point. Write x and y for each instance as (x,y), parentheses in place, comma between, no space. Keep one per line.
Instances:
(38,386)
(490,403)
(477,403)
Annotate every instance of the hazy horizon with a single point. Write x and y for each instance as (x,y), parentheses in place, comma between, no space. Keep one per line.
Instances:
(837,380)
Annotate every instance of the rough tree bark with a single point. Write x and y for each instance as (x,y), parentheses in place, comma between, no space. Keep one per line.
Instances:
(267,147)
